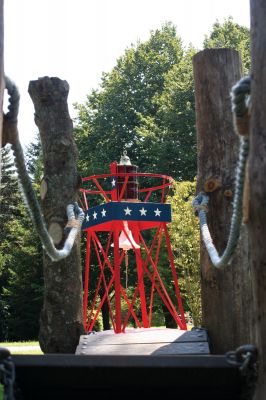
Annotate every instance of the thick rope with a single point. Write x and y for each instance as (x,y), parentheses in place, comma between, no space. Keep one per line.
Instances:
(239,96)
(74,212)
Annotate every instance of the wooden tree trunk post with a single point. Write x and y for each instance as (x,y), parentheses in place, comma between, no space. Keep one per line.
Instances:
(226,293)
(257,175)
(61,316)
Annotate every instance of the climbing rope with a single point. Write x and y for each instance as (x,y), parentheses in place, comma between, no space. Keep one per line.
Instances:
(74,212)
(240,106)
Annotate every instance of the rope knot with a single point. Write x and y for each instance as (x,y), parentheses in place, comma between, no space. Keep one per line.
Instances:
(73,223)
(240,96)
(200,207)
(10,130)
(200,203)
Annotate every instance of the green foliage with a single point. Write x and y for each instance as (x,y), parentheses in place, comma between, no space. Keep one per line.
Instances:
(141,107)
(20,262)
(25,281)
(169,137)
(185,240)
(231,35)
(9,210)
(34,159)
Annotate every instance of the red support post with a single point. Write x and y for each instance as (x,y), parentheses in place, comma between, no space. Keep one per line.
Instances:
(86,278)
(117,281)
(139,262)
(154,275)
(113,170)
(177,291)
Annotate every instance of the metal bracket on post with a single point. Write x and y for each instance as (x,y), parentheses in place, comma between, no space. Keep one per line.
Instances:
(245,358)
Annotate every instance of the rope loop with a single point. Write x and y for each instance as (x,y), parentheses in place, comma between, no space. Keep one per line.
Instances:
(74,213)
(240,98)
(14,97)
(10,130)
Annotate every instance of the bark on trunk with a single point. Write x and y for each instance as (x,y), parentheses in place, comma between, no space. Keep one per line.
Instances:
(226,293)
(61,316)
(257,170)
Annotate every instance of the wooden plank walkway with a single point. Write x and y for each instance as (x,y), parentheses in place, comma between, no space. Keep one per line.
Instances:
(145,342)
(144,363)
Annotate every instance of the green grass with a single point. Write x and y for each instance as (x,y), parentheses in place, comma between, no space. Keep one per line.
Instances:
(36,352)
(21,348)
(15,344)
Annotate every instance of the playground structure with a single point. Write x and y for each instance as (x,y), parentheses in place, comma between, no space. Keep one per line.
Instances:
(212,373)
(133,204)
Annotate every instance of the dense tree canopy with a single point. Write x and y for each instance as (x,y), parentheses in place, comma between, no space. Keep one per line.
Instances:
(185,240)
(145,105)
(231,35)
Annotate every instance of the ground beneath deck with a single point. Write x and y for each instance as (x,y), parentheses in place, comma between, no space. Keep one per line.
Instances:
(145,341)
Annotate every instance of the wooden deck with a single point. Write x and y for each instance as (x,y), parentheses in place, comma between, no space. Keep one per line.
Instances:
(142,363)
(74,377)
(145,342)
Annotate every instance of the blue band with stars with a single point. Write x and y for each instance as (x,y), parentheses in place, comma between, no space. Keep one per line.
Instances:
(126,211)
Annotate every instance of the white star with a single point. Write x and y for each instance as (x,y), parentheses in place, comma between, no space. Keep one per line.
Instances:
(143,211)
(103,212)
(94,215)
(113,182)
(157,212)
(87,218)
(127,211)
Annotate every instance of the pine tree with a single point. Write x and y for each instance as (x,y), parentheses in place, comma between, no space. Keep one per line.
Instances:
(9,193)
(20,261)
(10,200)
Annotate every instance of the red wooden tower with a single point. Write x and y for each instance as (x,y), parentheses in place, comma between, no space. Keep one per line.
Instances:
(125,234)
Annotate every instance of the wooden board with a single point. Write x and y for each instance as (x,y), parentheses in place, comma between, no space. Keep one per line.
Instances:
(68,377)
(151,341)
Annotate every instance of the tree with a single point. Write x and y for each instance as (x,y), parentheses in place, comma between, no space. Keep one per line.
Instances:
(232,35)
(130,111)
(170,136)
(20,261)
(9,202)
(25,281)
(61,316)
(185,240)
(34,159)
(1,70)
